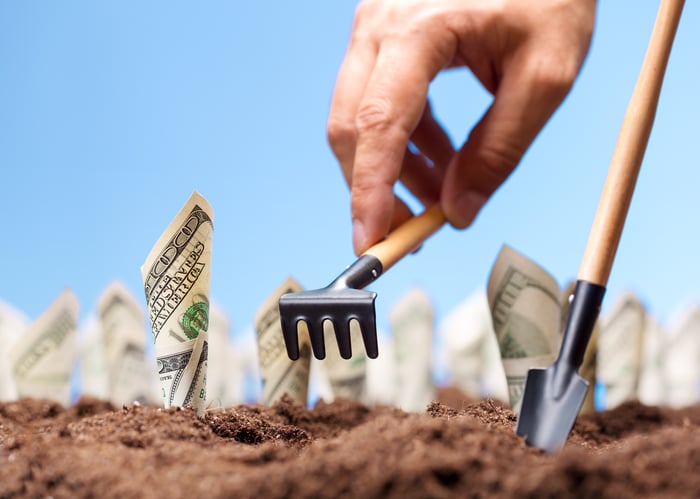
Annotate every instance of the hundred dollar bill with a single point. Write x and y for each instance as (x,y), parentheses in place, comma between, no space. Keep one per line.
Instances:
(130,374)
(12,325)
(682,359)
(281,375)
(225,369)
(380,384)
(43,358)
(525,310)
(176,277)
(652,385)
(463,336)
(620,349)
(346,378)
(412,322)
(94,379)
(493,377)
(472,350)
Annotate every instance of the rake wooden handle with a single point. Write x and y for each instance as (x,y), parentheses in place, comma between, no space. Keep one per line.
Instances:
(629,150)
(407,237)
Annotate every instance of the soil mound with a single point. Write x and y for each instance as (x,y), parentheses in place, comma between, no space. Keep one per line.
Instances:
(459,448)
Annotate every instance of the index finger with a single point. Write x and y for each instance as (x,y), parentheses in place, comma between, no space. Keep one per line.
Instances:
(389,111)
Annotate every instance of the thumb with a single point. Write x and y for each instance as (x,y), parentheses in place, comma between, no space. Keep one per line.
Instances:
(526,98)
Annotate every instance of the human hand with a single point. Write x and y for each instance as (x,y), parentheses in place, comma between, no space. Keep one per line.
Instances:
(526,53)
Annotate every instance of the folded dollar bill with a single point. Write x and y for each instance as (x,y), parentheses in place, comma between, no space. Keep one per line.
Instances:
(472,352)
(130,375)
(412,323)
(176,278)
(620,349)
(526,313)
(44,356)
(682,358)
(339,377)
(94,380)
(652,388)
(225,367)
(280,375)
(12,325)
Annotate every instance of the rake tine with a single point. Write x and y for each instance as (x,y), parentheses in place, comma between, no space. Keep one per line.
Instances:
(318,345)
(291,338)
(342,336)
(368,328)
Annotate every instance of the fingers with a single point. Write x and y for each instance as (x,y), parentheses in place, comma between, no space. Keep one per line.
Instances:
(349,88)
(432,140)
(528,94)
(390,110)
(423,172)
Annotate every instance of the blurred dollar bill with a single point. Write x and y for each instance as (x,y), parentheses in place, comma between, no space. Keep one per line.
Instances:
(682,358)
(130,374)
(281,375)
(225,369)
(472,351)
(43,357)
(12,325)
(381,388)
(339,377)
(620,349)
(176,277)
(652,384)
(526,312)
(94,379)
(412,322)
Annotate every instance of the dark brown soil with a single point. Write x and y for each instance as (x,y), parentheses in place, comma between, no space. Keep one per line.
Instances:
(455,449)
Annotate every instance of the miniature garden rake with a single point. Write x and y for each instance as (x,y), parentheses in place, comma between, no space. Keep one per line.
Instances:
(552,397)
(345,300)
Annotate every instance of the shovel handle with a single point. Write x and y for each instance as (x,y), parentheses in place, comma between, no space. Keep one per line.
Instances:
(407,237)
(629,151)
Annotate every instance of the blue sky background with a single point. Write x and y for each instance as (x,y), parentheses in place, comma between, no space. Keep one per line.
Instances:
(112,113)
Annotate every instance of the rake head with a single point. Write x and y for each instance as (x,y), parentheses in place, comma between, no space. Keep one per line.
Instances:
(339,303)
(337,306)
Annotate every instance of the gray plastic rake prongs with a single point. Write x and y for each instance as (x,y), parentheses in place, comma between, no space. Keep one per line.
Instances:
(291,337)
(369,337)
(342,336)
(342,300)
(318,343)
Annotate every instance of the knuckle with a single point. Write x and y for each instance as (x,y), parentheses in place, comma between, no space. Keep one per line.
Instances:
(498,161)
(556,76)
(340,131)
(374,115)
(364,10)
(365,182)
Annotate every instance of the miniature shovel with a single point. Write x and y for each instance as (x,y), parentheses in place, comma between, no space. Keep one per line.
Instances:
(552,397)
(344,299)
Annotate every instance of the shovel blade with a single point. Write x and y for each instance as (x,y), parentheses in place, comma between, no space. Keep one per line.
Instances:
(550,407)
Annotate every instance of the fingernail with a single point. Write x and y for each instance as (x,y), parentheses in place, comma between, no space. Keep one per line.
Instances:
(358,236)
(467,206)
